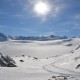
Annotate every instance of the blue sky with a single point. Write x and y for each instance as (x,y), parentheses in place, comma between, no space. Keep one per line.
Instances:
(18,18)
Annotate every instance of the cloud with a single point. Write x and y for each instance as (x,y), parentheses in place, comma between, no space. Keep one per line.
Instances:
(2,26)
(76,26)
(2,12)
(75,21)
(71,25)
(17,15)
(77,17)
(57,7)
(48,33)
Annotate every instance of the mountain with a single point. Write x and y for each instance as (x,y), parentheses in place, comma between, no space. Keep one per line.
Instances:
(3,37)
(42,38)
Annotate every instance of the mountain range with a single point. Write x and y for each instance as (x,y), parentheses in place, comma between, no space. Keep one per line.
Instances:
(4,37)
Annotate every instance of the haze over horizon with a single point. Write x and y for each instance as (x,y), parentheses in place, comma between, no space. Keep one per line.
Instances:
(40,17)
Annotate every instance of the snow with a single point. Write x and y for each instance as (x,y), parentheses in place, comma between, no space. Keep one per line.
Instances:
(40,49)
(55,58)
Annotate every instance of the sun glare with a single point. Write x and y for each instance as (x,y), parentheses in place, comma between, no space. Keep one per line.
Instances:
(41,8)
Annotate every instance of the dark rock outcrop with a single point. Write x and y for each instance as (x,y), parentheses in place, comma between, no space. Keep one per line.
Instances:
(6,61)
(78,66)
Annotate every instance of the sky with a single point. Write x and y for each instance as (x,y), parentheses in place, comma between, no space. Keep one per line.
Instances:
(40,17)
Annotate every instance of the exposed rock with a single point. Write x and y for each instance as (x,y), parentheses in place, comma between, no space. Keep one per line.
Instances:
(78,66)
(6,61)
(21,61)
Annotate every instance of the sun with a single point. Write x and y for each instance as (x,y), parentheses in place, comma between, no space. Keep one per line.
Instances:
(41,8)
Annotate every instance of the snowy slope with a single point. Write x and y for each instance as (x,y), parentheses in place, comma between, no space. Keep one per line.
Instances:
(40,49)
(58,58)
(71,61)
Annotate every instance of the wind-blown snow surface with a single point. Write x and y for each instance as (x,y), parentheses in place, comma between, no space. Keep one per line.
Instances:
(40,49)
(57,57)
